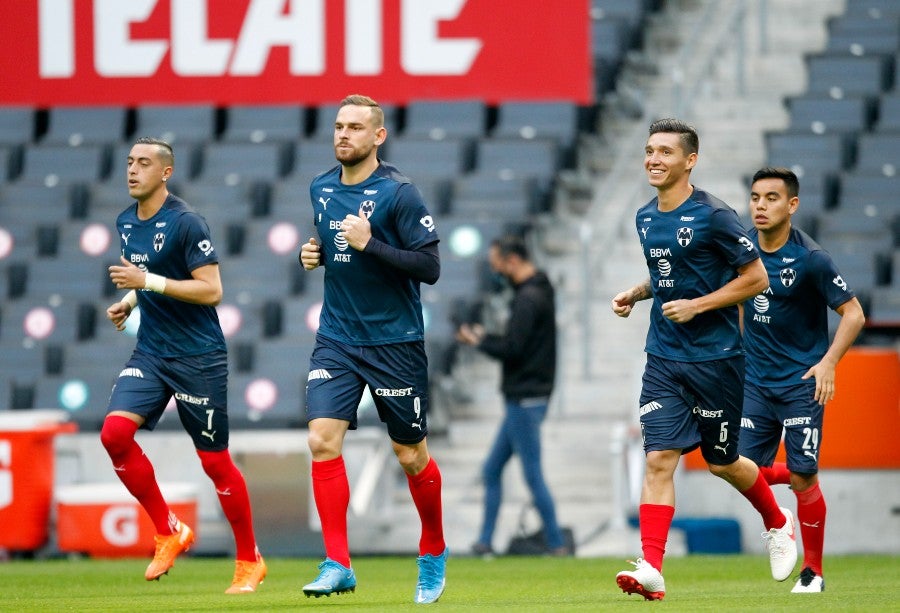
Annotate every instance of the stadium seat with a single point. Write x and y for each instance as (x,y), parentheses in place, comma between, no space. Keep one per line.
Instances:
(312,157)
(822,114)
(16,125)
(76,278)
(872,194)
(844,75)
(219,203)
(19,361)
(475,193)
(233,163)
(889,113)
(177,124)
(85,398)
(29,205)
(419,158)
(806,151)
(289,201)
(852,233)
(863,35)
(874,9)
(884,309)
(878,153)
(508,158)
(77,125)
(301,317)
(541,120)
(267,400)
(9,163)
(438,120)
(258,124)
(51,165)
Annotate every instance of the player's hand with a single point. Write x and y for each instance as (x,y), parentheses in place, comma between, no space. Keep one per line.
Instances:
(679,311)
(622,303)
(470,334)
(310,254)
(117,313)
(824,375)
(357,230)
(127,276)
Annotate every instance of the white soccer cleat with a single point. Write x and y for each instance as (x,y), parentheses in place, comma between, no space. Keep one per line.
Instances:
(809,582)
(644,580)
(781,543)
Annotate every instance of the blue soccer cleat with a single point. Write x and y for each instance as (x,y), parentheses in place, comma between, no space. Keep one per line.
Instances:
(333,578)
(432,577)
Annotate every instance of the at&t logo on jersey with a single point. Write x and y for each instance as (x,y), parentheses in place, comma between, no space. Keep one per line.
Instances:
(761,305)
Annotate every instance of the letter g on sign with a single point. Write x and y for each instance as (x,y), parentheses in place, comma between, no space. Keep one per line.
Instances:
(119,525)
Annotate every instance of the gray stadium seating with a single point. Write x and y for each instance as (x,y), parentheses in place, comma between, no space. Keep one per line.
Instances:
(258,124)
(446,119)
(16,125)
(423,158)
(76,125)
(52,165)
(822,114)
(846,75)
(231,163)
(177,124)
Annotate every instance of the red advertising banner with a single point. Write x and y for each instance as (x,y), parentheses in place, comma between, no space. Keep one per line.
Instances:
(310,52)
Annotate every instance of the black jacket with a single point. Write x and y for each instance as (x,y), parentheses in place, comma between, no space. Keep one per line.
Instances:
(528,348)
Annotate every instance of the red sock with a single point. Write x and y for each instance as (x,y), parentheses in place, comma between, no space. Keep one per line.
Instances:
(760,496)
(425,488)
(332,493)
(134,469)
(234,498)
(776,474)
(655,520)
(811,515)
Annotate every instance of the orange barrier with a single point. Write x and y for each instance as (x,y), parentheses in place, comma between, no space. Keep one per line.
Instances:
(104,520)
(26,477)
(866,404)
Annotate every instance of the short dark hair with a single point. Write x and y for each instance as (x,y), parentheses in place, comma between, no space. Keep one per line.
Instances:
(164,149)
(690,142)
(511,244)
(360,100)
(779,172)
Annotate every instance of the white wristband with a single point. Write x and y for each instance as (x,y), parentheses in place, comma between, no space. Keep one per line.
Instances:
(155,283)
(130,299)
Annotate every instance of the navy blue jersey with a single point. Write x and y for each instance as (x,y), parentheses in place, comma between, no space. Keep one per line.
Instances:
(368,301)
(172,243)
(693,251)
(786,326)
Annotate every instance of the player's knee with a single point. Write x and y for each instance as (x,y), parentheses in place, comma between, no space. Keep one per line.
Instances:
(114,438)
(216,464)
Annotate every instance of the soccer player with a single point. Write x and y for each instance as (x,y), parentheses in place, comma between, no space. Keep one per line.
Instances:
(378,243)
(527,350)
(701,264)
(790,366)
(171,267)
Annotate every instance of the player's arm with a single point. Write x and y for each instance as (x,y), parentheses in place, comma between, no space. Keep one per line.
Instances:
(852,321)
(623,302)
(204,286)
(751,280)
(422,264)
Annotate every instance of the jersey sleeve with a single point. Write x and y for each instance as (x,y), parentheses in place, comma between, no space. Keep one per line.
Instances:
(730,238)
(828,279)
(197,242)
(414,223)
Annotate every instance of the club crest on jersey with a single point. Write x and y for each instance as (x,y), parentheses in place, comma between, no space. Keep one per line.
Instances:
(159,240)
(684,236)
(788,276)
(367,207)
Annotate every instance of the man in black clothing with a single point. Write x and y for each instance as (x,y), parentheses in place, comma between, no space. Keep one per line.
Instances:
(528,353)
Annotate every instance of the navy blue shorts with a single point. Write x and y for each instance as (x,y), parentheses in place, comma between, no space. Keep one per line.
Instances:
(689,404)
(793,410)
(199,384)
(397,376)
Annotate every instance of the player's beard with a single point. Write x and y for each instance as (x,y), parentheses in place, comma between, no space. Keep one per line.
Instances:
(353,156)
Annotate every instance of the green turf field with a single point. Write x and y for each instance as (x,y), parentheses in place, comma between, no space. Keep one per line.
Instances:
(694,583)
